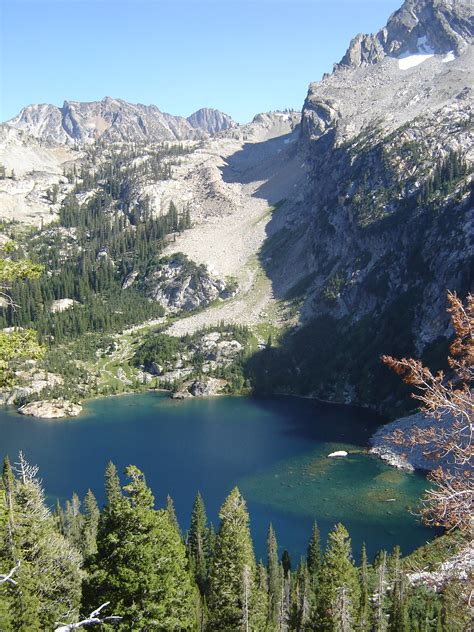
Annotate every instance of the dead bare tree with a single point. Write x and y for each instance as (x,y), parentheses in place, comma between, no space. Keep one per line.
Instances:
(92,619)
(7,577)
(450,401)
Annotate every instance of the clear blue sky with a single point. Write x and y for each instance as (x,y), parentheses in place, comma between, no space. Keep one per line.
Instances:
(240,56)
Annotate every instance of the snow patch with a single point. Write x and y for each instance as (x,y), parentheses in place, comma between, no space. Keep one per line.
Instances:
(449,57)
(404,63)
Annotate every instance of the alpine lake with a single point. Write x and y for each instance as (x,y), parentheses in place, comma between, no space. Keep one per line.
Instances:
(274,449)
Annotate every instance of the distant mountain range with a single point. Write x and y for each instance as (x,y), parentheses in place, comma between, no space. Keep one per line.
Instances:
(115,120)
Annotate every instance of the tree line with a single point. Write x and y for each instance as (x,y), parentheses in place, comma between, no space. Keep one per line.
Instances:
(135,557)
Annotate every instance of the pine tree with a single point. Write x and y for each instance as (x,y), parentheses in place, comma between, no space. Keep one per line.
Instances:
(232,574)
(140,565)
(379,617)
(73,521)
(337,572)
(211,545)
(314,555)
(301,597)
(170,510)
(90,525)
(59,517)
(364,590)
(274,575)
(261,608)
(284,602)
(197,542)
(313,563)
(398,614)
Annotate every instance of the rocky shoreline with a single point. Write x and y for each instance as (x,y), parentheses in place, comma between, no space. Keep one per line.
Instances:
(408,457)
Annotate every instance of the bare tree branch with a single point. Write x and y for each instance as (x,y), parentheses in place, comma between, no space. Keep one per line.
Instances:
(92,619)
(8,576)
(450,502)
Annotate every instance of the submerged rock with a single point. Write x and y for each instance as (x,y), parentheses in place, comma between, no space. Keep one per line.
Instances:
(53,409)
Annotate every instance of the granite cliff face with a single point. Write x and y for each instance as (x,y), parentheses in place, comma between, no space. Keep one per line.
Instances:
(115,120)
(386,222)
(211,120)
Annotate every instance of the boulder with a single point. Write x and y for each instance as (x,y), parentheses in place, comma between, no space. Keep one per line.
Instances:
(207,388)
(156,369)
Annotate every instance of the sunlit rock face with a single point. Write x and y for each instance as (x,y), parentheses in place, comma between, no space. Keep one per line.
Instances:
(115,120)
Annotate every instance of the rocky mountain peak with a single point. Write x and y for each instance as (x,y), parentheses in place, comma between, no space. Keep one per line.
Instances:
(418,27)
(211,120)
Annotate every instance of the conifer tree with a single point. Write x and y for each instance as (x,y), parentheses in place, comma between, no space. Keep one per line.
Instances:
(90,525)
(313,563)
(261,609)
(364,590)
(284,605)
(171,511)
(73,521)
(379,617)
(232,574)
(302,597)
(314,555)
(274,574)
(197,542)
(59,517)
(398,615)
(140,565)
(211,545)
(337,572)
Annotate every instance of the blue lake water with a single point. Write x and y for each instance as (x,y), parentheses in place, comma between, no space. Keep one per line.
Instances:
(274,449)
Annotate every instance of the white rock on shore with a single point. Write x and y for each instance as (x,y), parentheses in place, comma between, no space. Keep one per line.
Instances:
(53,409)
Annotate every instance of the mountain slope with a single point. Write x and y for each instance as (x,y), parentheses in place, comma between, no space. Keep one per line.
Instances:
(387,222)
(114,120)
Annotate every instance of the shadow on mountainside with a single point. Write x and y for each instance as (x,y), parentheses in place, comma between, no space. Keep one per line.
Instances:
(335,353)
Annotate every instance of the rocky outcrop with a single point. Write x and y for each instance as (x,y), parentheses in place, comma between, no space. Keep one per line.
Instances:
(459,567)
(33,170)
(180,285)
(61,305)
(209,387)
(54,409)
(31,382)
(114,120)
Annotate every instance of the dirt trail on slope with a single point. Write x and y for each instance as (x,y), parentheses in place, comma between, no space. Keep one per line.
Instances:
(232,186)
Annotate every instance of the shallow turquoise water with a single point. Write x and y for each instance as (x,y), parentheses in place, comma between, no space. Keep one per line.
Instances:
(274,449)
